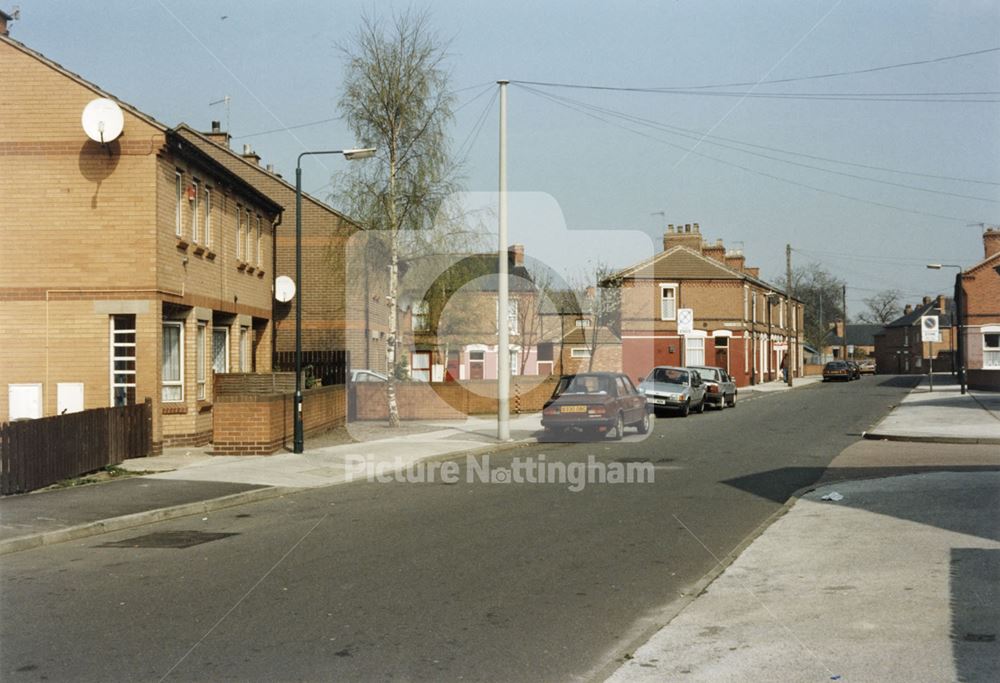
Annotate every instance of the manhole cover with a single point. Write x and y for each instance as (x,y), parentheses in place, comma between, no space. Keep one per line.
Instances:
(167,539)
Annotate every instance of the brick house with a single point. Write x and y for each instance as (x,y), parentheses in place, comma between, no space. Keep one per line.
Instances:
(860,341)
(344,281)
(898,349)
(739,320)
(132,269)
(448,330)
(981,316)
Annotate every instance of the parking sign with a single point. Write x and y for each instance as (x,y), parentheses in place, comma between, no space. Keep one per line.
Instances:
(685,320)
(929,330)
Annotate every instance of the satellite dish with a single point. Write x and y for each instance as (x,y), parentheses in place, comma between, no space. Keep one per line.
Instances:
(284,288)
(103,120)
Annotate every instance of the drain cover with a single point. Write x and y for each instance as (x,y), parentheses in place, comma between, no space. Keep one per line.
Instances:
(167,539)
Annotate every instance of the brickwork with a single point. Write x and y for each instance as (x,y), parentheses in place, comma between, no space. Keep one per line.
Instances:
(262,424)
(450,400)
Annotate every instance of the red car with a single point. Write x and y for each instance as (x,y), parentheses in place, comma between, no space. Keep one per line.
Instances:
(597,403)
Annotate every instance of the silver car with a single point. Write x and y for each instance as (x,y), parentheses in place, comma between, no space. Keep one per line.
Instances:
(720,389)
(678,390)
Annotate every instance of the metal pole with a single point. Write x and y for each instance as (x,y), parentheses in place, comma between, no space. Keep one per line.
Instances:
(298,444)
(960,346)
(789,319)
(503,329)
(930,365)
(843,341)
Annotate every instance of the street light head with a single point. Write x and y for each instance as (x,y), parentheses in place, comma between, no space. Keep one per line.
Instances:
(355,154)
(934,266)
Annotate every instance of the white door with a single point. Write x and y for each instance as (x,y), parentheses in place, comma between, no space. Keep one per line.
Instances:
(69,397)
(24,401)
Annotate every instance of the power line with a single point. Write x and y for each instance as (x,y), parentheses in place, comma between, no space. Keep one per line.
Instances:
(887,259)
(763,173)
(709,140)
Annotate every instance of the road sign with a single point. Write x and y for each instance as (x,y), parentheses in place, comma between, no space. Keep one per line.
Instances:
(685,320)
(929,330)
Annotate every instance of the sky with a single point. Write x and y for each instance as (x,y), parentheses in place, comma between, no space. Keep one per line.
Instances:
(870,174)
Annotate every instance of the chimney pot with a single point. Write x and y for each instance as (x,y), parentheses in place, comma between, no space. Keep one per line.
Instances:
(991,242)
(247,150)
(927,300)
(687,227)
(908,309)
(216,127)
(696,228)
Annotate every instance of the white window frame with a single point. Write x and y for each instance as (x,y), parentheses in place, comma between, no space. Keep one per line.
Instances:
(259,255)
(225,331)
(201,358)
(115,344)
(746,302)
(512,320)
(515,361)
(781,313)
(239,231)
(425,372)
(694,342)
(991,354)
(419,316)
(753,306)
(179,187)
(195,209)
(249,236)
(579,352)
(672,288)
(164,382)
(208,216)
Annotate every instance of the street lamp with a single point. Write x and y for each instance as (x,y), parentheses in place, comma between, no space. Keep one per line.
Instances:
(959,300)
(351,155)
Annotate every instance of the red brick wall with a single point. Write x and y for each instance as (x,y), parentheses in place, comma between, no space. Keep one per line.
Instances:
(450,400)
(261,424)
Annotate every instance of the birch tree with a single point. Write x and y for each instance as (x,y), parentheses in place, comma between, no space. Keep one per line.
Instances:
(396,98)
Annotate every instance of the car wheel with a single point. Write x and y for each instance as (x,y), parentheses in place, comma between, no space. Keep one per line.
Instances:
(732,401)
(619,430)
(686,410)
(642,426)
(722,403)
(701,406)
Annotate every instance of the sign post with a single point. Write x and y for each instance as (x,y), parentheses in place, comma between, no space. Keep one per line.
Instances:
(930,332)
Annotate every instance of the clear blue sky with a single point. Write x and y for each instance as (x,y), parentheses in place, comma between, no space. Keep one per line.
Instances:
(280,64)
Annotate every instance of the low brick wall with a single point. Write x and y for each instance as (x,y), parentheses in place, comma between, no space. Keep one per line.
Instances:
(811,370)
(261,424)
(450,400)
(254,383)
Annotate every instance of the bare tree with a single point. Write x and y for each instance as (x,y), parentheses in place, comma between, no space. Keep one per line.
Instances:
(396,98)
(883,307)
(820,291)
(600,301)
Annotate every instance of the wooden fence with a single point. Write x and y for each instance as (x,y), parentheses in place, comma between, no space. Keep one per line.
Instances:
(36,453)
(330,367)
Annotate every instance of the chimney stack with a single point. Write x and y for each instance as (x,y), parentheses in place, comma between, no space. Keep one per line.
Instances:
(926,300)
(251,155)
(218,136)
(736,260)
(942,304)
(908,309)
(715,251)
(5,20)
(517,254)
(752,272)
(991,242)
(683,236)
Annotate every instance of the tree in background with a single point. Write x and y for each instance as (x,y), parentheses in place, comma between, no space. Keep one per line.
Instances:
(821,293)
(396,98)
(883,307)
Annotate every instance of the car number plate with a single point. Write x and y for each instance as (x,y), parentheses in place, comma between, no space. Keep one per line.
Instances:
(573,409)
(657,401)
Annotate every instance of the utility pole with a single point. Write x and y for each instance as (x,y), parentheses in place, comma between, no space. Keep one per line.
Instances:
(790,322)
(503,329)
(843,340)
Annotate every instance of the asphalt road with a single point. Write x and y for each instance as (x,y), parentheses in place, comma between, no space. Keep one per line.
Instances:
(433,581)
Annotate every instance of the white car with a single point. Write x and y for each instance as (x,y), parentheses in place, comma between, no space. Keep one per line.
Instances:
(679,390)
(367,376)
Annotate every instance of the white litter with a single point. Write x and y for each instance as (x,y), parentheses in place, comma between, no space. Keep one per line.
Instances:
(833,495)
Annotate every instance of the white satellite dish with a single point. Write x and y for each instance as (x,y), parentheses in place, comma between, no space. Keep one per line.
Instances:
(284,288)
(103,120)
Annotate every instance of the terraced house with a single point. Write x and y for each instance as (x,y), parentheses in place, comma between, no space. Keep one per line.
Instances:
(741,323)
(133,267)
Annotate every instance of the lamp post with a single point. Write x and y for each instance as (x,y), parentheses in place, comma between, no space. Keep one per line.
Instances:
(351,155)
(959,301)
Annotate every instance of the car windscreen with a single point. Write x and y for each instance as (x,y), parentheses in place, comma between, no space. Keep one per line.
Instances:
(668,376)
(708,373)
(584,384)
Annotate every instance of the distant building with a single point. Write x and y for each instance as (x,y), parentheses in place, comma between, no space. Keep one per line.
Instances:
(981,316)
(899,349)
(860,341)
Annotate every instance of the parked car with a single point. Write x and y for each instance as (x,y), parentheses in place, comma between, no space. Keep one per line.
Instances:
(367,376)
(595,402)
(837,369)
(720,389)
(855,369)
(867,367)
(680,390)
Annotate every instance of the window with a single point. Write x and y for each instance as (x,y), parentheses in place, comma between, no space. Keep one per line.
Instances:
(173,362)
(259,259)
(515,362)
(248,255)
(179,187)
(195,195)
(582,322)
(512,326)
(668,302)
(420,366)
(991,348)
(122,360)
(239,232)
(220,349)
(753,306)
(781,313)
(544,352)
(201,359)
(746,302)
(694,350)
(579,352)
(208,216)
(244,349)
(418,317)
(477,362)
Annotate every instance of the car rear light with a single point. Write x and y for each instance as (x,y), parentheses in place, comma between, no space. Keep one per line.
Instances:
(550,411)
(597,411)
(713,388)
